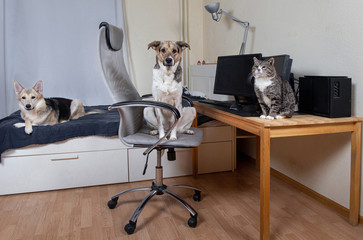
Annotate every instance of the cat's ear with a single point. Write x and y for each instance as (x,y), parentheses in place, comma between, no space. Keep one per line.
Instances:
(271,61)
(256,60)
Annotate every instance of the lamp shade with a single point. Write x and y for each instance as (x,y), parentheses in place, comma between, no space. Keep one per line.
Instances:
(213,9)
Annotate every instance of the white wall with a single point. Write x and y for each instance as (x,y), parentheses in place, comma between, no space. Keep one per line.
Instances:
(324,38)
(148,21)
(195,29)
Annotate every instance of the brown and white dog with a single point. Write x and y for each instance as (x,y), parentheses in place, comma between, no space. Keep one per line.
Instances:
(167,87)
(37,110)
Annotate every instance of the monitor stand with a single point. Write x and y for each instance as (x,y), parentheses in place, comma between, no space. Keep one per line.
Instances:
(249,105)
(236,105)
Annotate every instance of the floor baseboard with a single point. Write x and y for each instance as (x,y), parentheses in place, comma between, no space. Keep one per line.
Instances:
(324,200)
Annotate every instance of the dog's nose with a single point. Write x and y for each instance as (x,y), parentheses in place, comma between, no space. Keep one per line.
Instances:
(169,60)
(28,106)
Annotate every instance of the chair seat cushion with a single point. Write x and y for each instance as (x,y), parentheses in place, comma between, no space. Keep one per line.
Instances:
(143,138)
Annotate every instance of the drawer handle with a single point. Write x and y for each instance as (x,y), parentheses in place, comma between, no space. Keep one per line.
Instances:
(62,159)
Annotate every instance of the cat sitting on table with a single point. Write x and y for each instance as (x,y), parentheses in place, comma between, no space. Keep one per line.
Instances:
(275,95)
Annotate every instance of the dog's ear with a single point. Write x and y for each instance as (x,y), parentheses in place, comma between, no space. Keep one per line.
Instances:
(153,45)
(38,87)
(17,87)
(183,45)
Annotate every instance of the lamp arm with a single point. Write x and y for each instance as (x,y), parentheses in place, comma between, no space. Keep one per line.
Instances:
(243,24)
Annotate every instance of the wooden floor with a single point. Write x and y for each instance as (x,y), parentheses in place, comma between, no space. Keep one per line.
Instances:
(229,210)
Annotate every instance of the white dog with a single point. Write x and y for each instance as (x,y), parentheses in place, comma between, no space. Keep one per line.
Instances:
(167,87)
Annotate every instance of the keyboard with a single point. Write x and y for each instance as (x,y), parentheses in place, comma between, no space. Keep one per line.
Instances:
(217,102)
(246,110)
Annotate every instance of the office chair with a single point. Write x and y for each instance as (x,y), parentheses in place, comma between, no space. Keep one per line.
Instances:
(132,130)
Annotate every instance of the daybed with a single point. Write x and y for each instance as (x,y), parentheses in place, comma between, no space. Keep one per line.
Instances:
(82,152)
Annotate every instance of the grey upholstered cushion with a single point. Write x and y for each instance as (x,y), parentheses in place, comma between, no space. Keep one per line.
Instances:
(143,137)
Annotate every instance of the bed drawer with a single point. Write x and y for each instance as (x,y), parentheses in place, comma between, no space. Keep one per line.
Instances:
(58,171)
(73,145)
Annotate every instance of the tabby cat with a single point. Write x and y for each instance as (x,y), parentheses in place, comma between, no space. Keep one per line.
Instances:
(275,95)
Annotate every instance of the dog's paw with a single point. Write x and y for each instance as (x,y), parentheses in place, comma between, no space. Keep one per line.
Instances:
(28,130)
(270,117)
(189,131)
(19,125)
(173,138)
(263,116)
(161,135)
(279,117)
(154,132)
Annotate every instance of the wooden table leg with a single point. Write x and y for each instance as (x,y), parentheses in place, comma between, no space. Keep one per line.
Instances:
(258,155)
(356,141)
(264,144)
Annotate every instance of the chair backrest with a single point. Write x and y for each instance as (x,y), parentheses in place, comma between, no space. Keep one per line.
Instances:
(117,79)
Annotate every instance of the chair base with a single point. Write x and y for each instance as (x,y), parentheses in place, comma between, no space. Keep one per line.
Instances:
(157,188)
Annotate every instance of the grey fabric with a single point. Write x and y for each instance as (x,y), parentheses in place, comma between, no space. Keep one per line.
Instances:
(118,81)
(143,137)
(117,37)
(114,70)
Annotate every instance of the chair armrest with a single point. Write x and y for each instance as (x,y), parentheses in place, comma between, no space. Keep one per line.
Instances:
(188,100)
(143,103)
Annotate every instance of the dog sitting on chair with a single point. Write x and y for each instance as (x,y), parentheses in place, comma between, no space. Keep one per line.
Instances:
(167,87)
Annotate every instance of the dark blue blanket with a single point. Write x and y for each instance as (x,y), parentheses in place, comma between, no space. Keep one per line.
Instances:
(101,124)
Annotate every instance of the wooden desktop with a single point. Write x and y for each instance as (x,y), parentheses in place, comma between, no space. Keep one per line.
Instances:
(299,125)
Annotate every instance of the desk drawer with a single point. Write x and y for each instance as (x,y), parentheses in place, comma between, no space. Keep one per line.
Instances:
(58,171)
(217,134)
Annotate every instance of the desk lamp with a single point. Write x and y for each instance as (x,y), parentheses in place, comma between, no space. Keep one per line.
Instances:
(213,8)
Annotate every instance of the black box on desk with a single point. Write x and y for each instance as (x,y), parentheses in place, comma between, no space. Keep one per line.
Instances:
(325,96)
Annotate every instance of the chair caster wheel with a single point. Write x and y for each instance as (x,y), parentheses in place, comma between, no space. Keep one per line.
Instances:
(192,222)
(112,203)
(130,227)
(196,196)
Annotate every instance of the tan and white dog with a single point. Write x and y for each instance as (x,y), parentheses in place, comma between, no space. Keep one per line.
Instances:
(39,111)
(167,87)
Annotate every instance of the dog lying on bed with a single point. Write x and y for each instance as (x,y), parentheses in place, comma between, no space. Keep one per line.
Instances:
(37,110)
(167,87)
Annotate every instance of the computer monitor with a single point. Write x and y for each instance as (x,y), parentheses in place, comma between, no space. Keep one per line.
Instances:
(282,65)
(234,77)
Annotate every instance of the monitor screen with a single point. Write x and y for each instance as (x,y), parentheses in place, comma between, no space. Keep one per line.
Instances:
(234,77)
(282,65)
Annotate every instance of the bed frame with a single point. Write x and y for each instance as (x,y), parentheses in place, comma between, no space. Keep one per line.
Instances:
(80,162)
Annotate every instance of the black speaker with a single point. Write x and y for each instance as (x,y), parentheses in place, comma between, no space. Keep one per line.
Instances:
(325,96)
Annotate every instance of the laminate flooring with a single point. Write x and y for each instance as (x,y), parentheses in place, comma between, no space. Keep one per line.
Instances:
(229,210)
